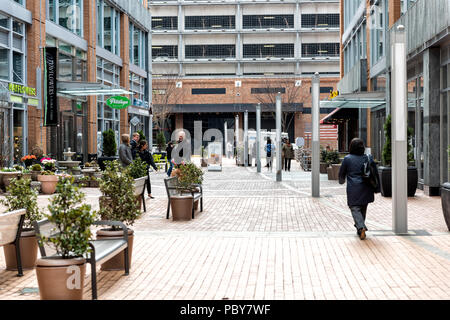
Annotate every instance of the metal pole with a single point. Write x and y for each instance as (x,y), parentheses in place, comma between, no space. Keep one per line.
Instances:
(150,132)
(399,132)
(315,145)
(246,138)
(258,137)
(225,132)
(278,145)
(236,143)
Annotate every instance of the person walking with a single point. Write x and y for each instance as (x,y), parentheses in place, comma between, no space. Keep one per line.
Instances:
(359,192)
(125,155)
(269,149)
(134,144)
(169,157)
(283,142)
(288,155)
(147,157)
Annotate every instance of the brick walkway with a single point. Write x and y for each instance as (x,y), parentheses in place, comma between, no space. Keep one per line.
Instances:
(259,239)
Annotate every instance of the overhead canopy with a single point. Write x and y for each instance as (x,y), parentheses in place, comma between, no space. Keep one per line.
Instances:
(362,100)
(74,88)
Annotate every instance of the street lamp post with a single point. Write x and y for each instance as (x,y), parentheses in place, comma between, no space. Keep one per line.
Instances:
(150,132)
(315,145)
(258,137)
(246,138)
(399,132)
(278,146)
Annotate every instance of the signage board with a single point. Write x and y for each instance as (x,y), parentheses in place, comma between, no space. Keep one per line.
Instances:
(51,104)
(118,102)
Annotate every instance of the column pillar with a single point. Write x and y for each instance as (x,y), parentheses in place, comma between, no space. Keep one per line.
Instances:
(125,71)
(315,136)
(431,120)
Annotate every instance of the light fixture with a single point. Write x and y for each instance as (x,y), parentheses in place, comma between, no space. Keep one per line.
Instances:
(157,47)
(269,17)
(157,19)
(269,46)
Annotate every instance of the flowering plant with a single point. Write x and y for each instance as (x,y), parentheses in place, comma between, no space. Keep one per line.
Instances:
(28,159)
(48,163)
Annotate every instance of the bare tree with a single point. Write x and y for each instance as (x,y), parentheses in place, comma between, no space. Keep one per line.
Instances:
(165,95)
(289,98)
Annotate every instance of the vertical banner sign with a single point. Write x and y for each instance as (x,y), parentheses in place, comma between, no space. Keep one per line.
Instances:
(51,105)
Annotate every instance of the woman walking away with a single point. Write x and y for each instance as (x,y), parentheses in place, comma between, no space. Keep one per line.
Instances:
(359,192)
(288,155)
(147,157)
(125,155)
(269,148)
(169,157)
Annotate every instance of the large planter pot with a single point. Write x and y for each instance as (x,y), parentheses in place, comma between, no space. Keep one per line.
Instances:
(385,174)
(61,279)
(330,173)
(445,200)
(28,251)
(6,177)
(336,168)
(48,183)
(323,167)
(203,163)
(117,262)
(181,207)
(101,161)
(139,185)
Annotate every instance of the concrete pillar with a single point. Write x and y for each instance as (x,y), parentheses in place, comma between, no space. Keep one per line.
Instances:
(125,71)
(258,137)
(278,139)
(315,137)
(431,120)
(246,138)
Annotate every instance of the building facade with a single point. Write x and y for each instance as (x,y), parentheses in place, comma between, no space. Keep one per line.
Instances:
(100,49)
(366,30)
(212,60)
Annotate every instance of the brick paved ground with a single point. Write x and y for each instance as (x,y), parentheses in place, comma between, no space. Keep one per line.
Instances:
(259,239)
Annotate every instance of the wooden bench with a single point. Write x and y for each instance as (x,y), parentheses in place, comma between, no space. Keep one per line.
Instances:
(102,250)
(10,229)
(172,190)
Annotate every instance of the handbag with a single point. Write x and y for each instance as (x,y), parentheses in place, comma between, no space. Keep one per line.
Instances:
(369,173)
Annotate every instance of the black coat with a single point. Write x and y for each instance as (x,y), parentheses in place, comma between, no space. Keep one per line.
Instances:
(134,148)
(359,193)
(147,157)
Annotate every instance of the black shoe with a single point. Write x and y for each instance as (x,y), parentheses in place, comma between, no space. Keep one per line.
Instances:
(362,234)
(151,197)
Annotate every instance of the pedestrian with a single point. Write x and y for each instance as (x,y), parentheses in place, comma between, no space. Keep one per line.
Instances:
(229,150)
(283,142)
(178,149)
(359,192)
(169,157)
(147,157)
(134,144)
(288,155)
(125,155)
(269,149)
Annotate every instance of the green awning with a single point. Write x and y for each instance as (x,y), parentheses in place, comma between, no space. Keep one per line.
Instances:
(362,100)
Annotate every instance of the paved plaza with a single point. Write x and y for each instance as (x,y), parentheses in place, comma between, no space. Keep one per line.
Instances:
(261,239)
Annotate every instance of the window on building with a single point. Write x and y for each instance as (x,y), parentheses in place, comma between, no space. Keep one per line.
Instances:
(108,27)
(268,21)
(12,50)
(327,20)
(22,2)
(285,50)
(67,13)
(164,52)
(209,91)
(138,87)
(164,23)
(138,46)
(323,89)
(320,49)
(210,51)
(209,22)
(267,90)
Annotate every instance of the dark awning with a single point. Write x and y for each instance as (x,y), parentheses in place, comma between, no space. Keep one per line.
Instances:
(340,115)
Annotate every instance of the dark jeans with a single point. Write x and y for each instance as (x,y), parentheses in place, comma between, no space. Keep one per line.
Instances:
(287,164)
(359,216)
(169,172)
(149,185)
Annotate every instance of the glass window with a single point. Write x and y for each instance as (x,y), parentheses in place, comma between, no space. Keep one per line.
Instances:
(4,64)
(4,21)
(108,27)
(67,13)
(18,67)
(18,27)
(107,16)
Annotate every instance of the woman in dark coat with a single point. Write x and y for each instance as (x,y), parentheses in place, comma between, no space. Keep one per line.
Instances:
(359,192)
(147,157)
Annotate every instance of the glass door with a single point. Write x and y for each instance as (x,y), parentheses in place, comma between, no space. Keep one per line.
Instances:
(4,138)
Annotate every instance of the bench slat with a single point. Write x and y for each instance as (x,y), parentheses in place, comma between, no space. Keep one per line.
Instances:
(105,249)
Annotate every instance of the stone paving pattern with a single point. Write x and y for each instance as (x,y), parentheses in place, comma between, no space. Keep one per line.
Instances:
(259,239)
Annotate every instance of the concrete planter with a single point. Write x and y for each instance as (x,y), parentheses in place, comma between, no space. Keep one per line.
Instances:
(181,207)
(5,178)
(385,174)
(48,183)
(139,185)
(445,200)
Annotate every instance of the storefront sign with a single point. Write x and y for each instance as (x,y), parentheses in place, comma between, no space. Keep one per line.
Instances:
(51,105)
(18,88)
(334,94)
(118,102)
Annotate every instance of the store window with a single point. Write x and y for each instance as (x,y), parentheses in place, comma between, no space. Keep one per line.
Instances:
(12,50)
(67,13)
(108,27)
(138,46)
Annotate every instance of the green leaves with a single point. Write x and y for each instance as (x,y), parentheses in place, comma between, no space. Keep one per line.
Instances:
(109,143)
(71,219)
(189,174)
(138,168)
(22,196)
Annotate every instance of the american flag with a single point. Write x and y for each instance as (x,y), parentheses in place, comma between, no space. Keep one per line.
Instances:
(328,132)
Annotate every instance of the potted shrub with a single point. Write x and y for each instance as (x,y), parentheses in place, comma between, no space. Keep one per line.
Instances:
(62,276)
(189,176)
(48,164)
(385,171)
(445,198)
(48,180)
(6,174)
(109,150)
(161,141)
(22,196)
(334,165)
(36,169)
(25,174)
(323,161)
(28,160)
(138,169)
(117,203)
(142,136)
